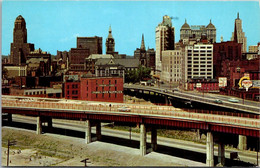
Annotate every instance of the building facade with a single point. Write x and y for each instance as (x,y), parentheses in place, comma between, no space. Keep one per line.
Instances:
(229,50)
(197,62)
(146,57)
(164,40)
(104,89)
(171,69)
(194,32)
(238,35)
(93,44)
(20,48)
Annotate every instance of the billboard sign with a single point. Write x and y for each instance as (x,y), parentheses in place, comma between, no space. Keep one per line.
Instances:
(222,81)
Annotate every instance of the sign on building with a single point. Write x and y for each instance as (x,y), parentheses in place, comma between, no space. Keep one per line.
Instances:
(198,85)
(247,84)
(256,83)
(222,81)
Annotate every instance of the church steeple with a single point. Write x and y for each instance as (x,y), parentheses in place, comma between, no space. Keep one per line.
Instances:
(110,32)
(142,44)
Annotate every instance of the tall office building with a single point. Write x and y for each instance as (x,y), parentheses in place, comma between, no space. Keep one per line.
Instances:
(110,42)
(171,69)
(238,35)
(164,40)
(197,62)
(20,48)
(194,32)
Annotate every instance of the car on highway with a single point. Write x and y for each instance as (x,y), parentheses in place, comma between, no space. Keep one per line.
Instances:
(124,109)
(233,100)
(218,101)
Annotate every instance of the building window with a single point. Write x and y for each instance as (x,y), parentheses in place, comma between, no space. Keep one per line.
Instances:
(102,95)
(115,95)
(96,88)
(115,88)
(115,81)
(68,92)
(109,82)
(96,95)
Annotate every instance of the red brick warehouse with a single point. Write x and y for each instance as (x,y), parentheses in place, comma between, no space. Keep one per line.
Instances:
(106,89)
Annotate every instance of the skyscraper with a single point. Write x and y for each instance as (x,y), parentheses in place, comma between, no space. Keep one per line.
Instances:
(110,43)
(20,48)
(238,35)
(164,40)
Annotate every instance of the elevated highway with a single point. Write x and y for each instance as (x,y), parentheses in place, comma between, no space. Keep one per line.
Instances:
(148,117)
(252,107)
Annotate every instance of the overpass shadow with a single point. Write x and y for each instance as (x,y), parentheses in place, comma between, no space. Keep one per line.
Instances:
(176,152)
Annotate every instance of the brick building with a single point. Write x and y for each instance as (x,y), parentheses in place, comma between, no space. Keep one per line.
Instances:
(94,44)
(225,51)
(108,89)
(77,58)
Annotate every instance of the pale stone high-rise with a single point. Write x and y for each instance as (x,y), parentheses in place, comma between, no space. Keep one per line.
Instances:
(164,40)
(171,69)
(238,35)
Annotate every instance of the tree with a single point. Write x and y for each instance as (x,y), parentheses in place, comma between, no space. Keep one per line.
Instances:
(137,75)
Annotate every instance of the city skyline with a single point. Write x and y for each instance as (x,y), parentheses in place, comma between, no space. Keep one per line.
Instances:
(59,24)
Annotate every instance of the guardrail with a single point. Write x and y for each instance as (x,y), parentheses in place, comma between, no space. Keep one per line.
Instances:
(196,98)
(160,112)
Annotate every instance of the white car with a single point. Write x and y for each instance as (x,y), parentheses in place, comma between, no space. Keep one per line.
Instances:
(233,100)
(124,109)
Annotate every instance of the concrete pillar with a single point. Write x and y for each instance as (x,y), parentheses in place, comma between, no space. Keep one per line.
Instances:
(166,100)
(198,134)
(39,125)
(143,140)
(98,131)
(210,150)
(88,132)
(9,117)
(221,153)
(50,122)
(154,139)
(242,142)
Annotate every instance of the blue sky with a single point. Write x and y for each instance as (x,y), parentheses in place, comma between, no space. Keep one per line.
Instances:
(54,25)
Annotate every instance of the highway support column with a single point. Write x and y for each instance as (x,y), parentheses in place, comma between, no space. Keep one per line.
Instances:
(210,150)
(39,125)
(88,132)
(221,153)
(49,120)
(98,130)
(154,139)
(143,140)
(9,118)
(242,142)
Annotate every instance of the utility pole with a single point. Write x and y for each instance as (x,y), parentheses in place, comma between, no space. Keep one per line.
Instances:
(9,143)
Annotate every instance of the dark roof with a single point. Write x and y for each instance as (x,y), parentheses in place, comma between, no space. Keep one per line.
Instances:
(210,25)
(185,25)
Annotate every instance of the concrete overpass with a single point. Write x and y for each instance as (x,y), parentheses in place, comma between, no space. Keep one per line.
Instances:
(252,108)
(148,117)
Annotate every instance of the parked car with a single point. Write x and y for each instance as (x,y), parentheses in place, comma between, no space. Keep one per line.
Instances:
(233,100)
(175,89)
(124,109)
(218,101)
